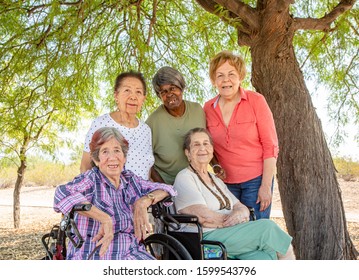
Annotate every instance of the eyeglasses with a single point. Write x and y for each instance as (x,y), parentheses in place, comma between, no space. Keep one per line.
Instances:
(171,89)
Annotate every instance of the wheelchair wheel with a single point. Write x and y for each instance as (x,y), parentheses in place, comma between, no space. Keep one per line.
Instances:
(170,245)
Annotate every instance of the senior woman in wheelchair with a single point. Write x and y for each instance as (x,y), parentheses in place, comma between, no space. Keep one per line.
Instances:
(223,217)
(117,220)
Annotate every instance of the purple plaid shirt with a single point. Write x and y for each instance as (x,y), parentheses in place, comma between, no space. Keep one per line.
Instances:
(94,187)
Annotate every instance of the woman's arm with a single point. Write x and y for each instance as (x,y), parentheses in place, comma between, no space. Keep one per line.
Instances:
(206,217)
(78,191)
(85,162)
(269,141)
(264,192)
(155,176)
(149,194)
(239,214)
(105,233)
(141,223)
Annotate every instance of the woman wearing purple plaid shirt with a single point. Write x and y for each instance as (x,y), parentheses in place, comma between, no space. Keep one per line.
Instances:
(118,218)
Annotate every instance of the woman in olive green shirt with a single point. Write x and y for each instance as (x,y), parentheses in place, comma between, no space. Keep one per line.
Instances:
(170,122)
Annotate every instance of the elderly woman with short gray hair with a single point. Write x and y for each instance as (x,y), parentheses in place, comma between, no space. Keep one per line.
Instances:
(170,122)
(117,220)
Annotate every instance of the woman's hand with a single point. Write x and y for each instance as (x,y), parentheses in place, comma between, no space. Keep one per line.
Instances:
(237,216)
(264,197)
(104,236)
(206,217)
(141,223)
(265,190)
(219,171)
(105,233)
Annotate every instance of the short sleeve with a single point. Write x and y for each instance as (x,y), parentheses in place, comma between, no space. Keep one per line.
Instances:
(187,191)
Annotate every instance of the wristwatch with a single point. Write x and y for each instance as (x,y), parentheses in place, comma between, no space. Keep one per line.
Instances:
(152,197)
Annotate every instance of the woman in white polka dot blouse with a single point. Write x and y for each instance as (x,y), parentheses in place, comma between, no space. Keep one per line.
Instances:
(129,93)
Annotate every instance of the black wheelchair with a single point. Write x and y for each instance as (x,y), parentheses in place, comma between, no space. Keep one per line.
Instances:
(171,242)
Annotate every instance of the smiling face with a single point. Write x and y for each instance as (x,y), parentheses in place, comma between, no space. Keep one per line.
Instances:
(111,160)
(130,95)
(200,151)
(227,81)
(171,96)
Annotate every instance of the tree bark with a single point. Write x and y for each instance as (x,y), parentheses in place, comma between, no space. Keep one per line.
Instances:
(310,193)
(17,191)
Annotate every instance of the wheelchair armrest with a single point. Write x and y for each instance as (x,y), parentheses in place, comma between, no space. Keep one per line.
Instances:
(160,207)
(183,218)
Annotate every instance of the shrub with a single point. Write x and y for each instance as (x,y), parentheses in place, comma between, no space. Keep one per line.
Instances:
(51,174)
(347,168)
(40,173)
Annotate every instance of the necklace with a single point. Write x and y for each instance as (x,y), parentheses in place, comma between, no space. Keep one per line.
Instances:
(223,204)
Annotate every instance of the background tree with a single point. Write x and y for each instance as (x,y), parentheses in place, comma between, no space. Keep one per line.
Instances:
(95,40)
(43,93)
(312,204)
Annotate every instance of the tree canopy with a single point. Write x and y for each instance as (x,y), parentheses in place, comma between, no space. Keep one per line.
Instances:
(85,44)
(55,55)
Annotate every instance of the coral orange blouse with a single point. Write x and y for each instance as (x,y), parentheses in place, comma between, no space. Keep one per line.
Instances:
(249,138)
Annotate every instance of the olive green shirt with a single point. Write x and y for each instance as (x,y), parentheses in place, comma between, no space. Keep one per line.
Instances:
(168,136)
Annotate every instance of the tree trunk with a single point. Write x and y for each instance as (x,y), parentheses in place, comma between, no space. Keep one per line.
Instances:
(310,193)
(17,190)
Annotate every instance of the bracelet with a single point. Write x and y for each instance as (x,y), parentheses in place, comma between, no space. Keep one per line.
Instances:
(216,165)
(152,197)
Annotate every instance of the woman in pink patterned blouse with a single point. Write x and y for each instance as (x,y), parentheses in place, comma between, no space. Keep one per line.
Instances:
(118,218)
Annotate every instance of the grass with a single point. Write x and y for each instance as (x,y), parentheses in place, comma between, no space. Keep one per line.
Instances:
(42,172)
(347,168)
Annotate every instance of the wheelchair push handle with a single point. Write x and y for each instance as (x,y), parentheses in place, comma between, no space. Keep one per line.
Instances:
(68,233)
(70,224)
(161,211)
(81,207)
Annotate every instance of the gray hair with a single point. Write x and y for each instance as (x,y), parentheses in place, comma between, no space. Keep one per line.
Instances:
(168,76)
(191,132)
(103,135)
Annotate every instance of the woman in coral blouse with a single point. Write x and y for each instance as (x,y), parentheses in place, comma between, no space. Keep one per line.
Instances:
(245,139)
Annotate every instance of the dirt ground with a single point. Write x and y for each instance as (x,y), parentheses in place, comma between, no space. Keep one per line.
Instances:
(37,218)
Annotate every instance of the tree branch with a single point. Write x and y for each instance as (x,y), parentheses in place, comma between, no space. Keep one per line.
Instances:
(353,28)
(244,39)
(324,22)
(71,3)
(237,9)
(152,22)
(313,49)
(36,7)
(44,36)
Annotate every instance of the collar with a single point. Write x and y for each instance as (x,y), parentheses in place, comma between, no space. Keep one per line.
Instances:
(124,178)
(242,92)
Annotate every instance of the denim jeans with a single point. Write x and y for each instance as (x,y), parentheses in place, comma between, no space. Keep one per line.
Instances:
(247,193)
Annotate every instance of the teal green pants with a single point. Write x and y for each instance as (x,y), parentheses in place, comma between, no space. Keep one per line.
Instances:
(256,240)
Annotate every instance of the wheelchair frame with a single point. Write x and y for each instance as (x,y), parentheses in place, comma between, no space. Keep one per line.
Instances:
(175,244)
